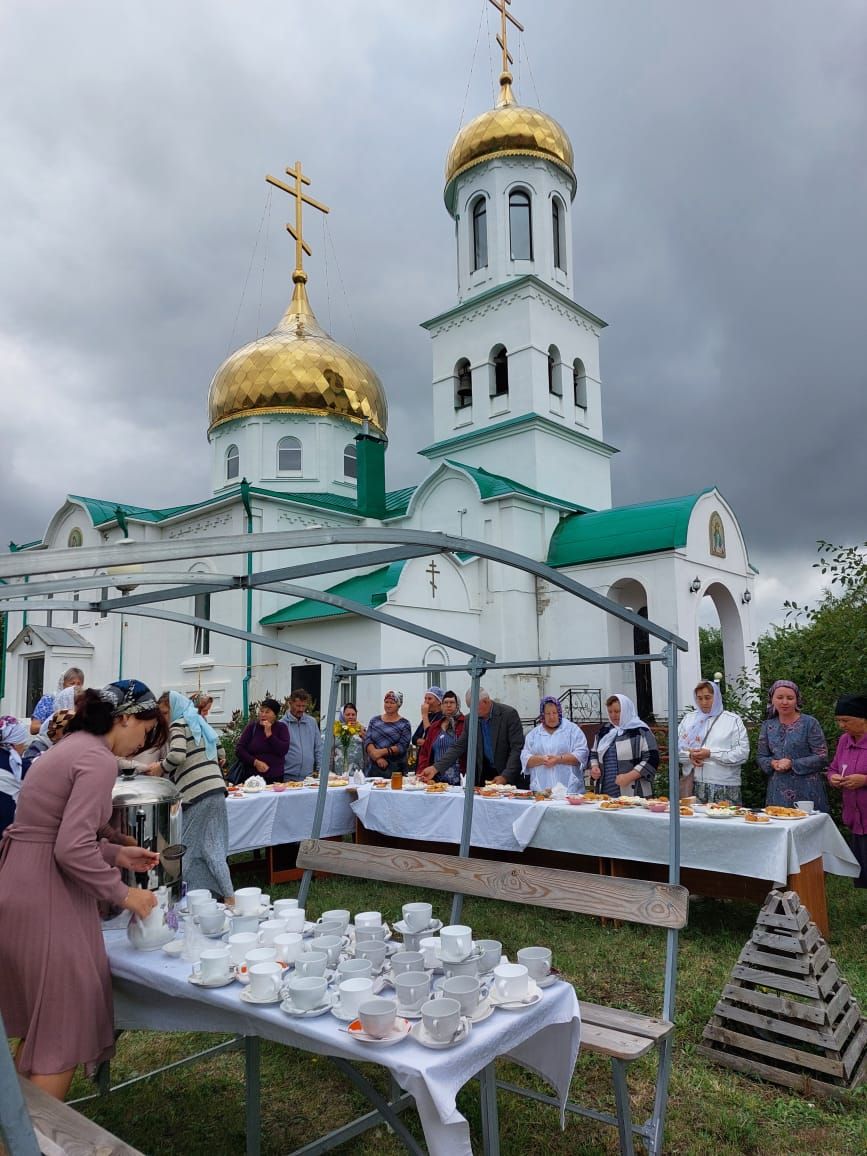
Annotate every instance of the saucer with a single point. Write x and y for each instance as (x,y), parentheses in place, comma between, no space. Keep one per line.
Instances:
(432,928)
(290,1009)
(484,1009)
(420,1035)
(399,1032)
(173,947)
(517,1004)
(247,997)
(475,952)
(259,913)
(224,981)
(338,1013)
(227,926)
(409,1013)
(552,977)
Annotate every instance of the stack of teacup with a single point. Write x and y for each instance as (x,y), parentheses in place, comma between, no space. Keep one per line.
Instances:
(417,922)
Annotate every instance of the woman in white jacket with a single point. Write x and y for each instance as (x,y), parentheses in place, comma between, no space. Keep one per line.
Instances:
(713,746)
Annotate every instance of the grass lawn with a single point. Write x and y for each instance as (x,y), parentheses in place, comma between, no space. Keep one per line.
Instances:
(199,1110)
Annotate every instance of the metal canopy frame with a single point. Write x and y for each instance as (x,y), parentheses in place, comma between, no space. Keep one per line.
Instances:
(396,545)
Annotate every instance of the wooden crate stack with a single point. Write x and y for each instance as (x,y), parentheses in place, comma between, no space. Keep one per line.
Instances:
(787,1015)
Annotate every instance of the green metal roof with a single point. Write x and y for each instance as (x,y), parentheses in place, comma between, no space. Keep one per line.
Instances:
(498,486)
(622,532)
(370,589)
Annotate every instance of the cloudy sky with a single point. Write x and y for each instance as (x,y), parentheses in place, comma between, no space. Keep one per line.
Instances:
(719,228)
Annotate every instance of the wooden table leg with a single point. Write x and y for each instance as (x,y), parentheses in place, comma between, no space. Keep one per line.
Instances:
(809,883)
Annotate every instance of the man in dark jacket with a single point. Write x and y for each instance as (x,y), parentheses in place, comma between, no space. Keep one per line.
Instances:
(501,737)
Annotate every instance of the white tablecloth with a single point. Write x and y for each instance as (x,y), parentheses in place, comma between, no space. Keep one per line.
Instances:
(269,818)
(770,851)
(151,992)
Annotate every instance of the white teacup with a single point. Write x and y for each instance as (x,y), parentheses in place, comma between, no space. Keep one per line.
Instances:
(265,980)
(492,953)
(240,943)
(373,951)
(417,916)
(214,964)
(355,969)
(248,900)
(353,992)
(328,927)
(456,942)
(289,946)
(466,989)
(202,905)
(403,961)
(245,923)
(331,945)
(537,961)
(441,1018)
(294,918)
(806,805)
(266,900)
(370,934)
(461,967)
(282,906)
(377,1016)
(336,915)
(196,893)
(307,991)
(429,947)
(368,919)
(412,988)
(511,981)
(269,930)
(260,955)
(212,921)
(310,963)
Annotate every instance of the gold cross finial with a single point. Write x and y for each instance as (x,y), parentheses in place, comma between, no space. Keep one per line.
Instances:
(502,37)
(301,199)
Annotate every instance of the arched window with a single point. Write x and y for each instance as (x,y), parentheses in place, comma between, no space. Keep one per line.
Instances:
(350,460)
(579,383)
(289,456)
(233,463)
(555,380)
(76,538)
(480,233)
(500,362)
(520,226)
(558,224)
(463,384)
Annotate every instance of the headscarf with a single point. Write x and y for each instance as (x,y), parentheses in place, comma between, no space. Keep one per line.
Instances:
(12,731)
(60,719)
(853,705)
(397,695)
(448,725)
(181,708)
(629,721)
(556,702)
(437,692)
(772,713)
(701,721)
(65,700)
(127,696)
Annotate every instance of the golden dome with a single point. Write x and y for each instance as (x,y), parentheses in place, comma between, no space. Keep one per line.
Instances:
(509,129)
(297,368)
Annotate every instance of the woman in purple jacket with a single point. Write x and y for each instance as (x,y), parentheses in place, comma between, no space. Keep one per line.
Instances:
(848,773)
(263,744)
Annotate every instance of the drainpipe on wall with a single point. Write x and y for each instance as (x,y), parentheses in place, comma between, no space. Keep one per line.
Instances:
(248,646)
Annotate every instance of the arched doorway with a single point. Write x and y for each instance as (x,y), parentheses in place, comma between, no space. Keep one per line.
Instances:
(734,656)
(624,638)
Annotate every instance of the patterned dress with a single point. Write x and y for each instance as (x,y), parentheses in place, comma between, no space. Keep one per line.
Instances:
(804,743)
(387,734)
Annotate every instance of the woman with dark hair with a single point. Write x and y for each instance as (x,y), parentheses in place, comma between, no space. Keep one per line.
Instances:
(624,757)
(54,870)
(264,742)
(792,750)
(348,757)
(848,773)
(441,735)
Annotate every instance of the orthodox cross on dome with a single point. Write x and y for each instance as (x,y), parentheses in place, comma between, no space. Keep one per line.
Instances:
(301,199)
(433,571)
(502,36)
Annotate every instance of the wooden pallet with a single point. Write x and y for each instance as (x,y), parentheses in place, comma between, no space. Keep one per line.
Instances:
(787,1015)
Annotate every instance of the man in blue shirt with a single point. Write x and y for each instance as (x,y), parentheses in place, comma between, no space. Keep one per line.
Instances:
(305,741)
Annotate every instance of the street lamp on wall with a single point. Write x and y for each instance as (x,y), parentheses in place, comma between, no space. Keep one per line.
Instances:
(695,585)
(746,598)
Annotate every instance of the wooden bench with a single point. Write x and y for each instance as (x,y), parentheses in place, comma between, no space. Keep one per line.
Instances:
(59,1130)
(622,1036)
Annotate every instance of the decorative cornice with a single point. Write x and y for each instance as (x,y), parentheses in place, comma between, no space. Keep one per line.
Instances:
(528,286)
(515,425)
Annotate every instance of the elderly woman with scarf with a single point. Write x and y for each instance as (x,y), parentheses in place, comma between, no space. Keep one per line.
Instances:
(792,750)
(442,734)
(712,746)
(624,757)
(191,763)
(13,742)
(848,773)
(555,751)
(388,737)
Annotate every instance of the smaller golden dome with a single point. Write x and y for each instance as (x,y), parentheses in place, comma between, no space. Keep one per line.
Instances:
(509,129)
(297,368)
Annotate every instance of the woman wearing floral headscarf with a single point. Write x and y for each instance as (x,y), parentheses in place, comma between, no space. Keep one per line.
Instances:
(13,742)
(191,764)
(713,746)
(624,758)
(555,751)
(388,737)
(442,734)
(792,750)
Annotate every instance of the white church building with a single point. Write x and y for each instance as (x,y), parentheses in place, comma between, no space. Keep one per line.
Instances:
(297,427)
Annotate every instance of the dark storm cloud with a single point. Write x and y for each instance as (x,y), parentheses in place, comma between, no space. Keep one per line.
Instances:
(719,227)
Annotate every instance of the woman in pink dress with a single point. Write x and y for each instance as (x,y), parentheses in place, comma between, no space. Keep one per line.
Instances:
(56,990)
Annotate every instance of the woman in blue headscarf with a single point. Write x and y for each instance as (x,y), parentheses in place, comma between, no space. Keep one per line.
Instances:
(191,764)
(555,751)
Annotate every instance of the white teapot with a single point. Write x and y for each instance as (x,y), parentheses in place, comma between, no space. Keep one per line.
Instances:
(151,932)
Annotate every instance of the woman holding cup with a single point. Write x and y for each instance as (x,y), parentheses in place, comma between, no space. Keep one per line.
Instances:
(54,870)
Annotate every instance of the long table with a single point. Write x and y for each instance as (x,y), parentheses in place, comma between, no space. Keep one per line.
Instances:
(724,858)
(272,817)
(151,993)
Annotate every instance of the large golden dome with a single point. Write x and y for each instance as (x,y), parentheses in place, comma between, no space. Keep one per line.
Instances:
(509,129)
(297,368)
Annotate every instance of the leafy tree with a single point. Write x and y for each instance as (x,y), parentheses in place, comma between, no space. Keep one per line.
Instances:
(710,648)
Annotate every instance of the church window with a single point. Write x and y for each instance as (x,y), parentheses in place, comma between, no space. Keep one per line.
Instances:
(350,460)
(555,380)
(233,463)
(289,456)
(480,233)
(76,597)
(520,226)
(75,538)
(558,223)
(500,362)
(201,634)
(463,384)
(579,383)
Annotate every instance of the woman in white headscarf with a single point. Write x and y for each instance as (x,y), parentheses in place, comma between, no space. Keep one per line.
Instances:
(713,746)
(624,758)
(13,742)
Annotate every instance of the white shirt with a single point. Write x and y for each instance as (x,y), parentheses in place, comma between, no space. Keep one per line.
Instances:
(726,739)
(567,739)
